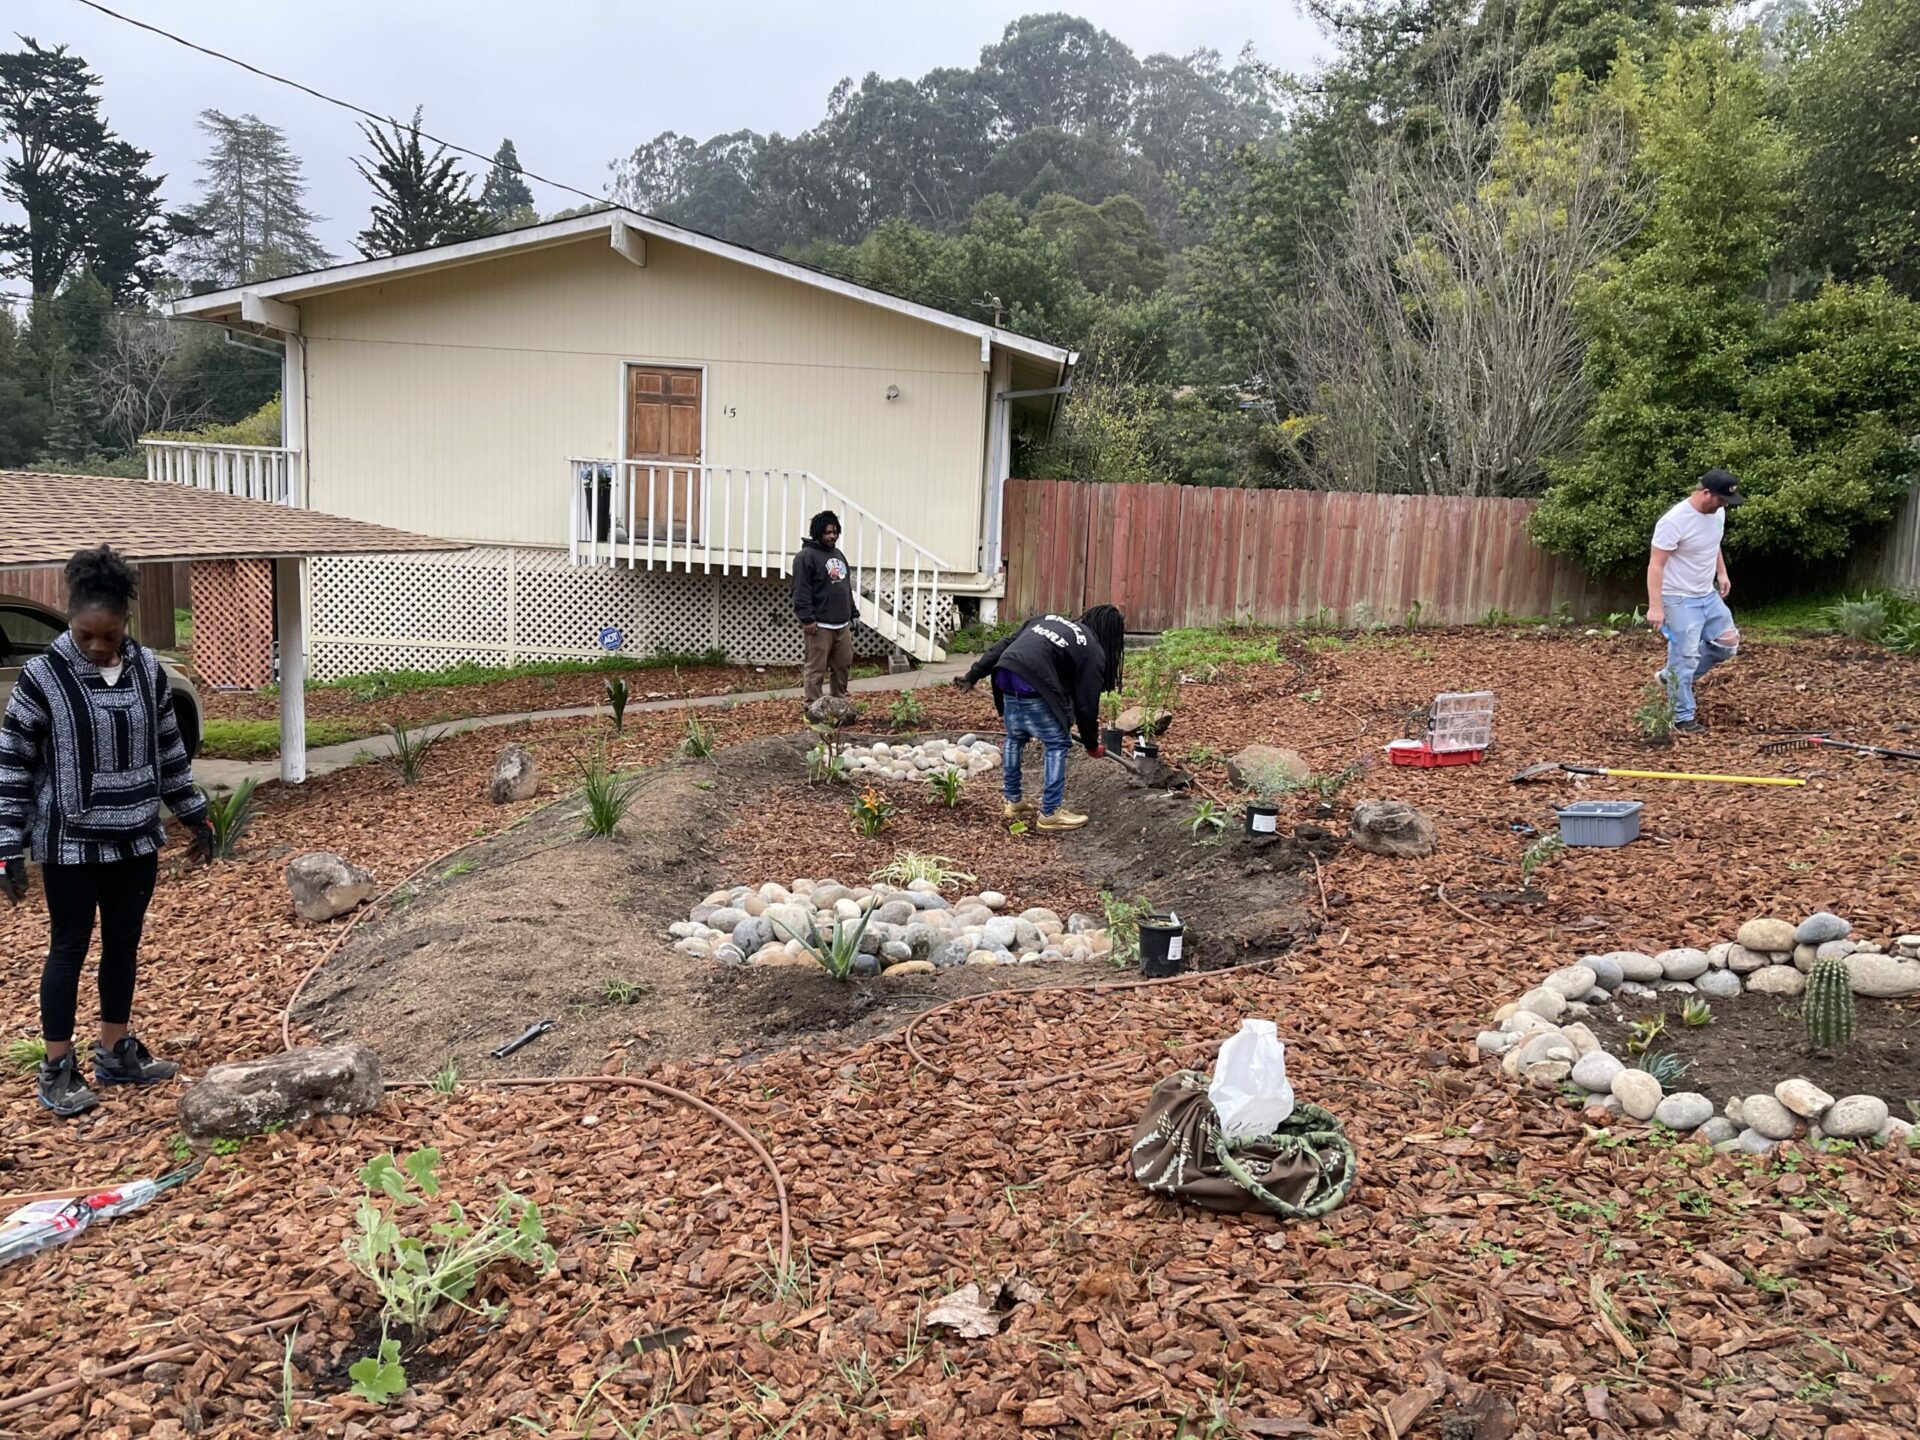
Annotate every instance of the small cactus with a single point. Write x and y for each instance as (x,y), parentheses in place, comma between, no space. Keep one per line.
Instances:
(1828,1006)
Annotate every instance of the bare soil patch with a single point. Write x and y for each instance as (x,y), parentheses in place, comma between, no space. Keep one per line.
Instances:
(1756,1041)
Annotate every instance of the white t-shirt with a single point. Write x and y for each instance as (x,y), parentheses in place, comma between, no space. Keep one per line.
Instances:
(1694,540)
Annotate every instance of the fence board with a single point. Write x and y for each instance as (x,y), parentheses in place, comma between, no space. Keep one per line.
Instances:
(1186,555)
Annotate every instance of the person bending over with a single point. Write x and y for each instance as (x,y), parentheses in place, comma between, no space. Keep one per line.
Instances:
(89,748)
(1048,677)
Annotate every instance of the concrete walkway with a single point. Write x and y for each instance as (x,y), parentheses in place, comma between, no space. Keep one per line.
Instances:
(218,776)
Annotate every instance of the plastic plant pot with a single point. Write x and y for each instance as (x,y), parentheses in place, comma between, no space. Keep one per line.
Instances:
(1162,946)
(1263,819)
(1145,749)
(1113,739)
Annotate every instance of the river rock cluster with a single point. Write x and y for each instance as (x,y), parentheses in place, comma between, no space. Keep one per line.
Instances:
(914,929)
(905,760)
(1542,1037)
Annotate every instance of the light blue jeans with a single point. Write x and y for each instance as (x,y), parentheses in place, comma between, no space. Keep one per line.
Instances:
(1694,626)
(1029,718)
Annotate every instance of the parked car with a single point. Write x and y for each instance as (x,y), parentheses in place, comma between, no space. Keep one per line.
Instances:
(27,627)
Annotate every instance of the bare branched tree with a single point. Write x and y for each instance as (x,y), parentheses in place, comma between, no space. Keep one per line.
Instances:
(1434,348)
(138,381)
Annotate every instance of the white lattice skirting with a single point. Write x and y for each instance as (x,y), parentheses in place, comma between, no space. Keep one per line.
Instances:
(498,606)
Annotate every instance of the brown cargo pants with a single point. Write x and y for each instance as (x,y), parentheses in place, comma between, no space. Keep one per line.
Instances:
(829,653)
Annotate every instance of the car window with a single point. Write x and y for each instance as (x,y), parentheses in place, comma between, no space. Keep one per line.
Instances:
(26,632)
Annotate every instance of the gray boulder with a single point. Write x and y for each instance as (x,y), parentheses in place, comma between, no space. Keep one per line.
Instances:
(324,885)
(835,710)
(1392,828)
(1767,935)
(1719,984)
(1266,768)
(1685,1111)
(752,934)
(515,777)
(896,912)
(1606,971)
(1882,976)
(246,1096)
(1819,929)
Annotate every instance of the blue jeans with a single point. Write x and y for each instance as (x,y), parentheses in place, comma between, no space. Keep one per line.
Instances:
(1028,718)
(1694,626)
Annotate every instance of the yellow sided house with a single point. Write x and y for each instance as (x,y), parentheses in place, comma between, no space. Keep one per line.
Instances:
(628,424)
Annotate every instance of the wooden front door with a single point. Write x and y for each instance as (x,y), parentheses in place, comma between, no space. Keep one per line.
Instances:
(663,429)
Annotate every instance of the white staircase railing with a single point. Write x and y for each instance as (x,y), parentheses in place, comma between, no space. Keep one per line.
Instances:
(253,472)
(749,520)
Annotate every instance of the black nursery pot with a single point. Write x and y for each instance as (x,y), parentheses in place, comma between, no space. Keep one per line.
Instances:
(1162,946)
(1113,740)
(1145,749)
(1263,819)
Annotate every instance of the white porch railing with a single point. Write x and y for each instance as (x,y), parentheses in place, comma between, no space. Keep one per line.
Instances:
(253,472)
(749,520)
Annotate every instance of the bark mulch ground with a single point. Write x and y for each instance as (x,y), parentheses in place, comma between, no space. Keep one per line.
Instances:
(1499,1271)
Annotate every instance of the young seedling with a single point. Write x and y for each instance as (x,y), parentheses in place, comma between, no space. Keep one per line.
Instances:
(911,865)
(621,992)
(1696,1014)
(1665,1066)
(947,784)
(1546,848)
(1123,924)
(229,816)
(825,763)
(1654,716)
(699,742)
(617,696)
(606,795)
(907,712)
(1642,1034)
(1209,818)
(410,751)
(27,1053)
(447,1078)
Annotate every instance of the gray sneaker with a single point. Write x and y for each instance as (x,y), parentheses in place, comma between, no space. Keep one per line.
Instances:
(61,1090)
(130,1063)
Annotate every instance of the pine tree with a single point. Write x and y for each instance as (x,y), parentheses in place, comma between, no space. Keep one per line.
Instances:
(505,196)
(87,196)
(420,200)
(250,223)
(75,418)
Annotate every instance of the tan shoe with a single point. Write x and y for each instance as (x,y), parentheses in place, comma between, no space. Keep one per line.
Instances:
(1020,811)
(1062,820)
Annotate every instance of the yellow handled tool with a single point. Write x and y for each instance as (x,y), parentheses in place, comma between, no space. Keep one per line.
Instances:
(1535,771)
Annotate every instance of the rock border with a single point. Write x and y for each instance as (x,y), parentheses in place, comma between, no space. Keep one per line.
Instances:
(914,929)
(1541,1038)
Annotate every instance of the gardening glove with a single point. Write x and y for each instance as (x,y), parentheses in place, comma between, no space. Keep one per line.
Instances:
(200,847)
(961,682)
(1097,751)
(15,883)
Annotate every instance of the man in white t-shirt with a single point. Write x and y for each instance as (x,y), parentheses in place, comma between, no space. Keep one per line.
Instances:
(1687,587)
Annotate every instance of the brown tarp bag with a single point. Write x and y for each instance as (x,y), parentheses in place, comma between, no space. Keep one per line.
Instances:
(1300,1171)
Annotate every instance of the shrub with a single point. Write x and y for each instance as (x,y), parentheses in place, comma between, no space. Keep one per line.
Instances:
(229,816)
(947,784)
(410,750)
(1123,924)
(413,1276)
(907,712)
(1828,1007)
(1887,617)
(1653,717)
(608,797)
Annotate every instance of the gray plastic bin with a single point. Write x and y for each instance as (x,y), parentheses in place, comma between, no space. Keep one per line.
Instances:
(1606,823)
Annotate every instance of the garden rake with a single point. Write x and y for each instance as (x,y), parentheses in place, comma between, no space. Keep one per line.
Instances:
(1811,742)
(1537,772)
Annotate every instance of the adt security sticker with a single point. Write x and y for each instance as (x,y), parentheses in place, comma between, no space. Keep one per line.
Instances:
(610,637)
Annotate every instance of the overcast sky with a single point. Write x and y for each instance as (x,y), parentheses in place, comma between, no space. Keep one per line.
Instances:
(573,82)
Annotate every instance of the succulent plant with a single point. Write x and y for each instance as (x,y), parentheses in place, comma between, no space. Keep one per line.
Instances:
(1828,1006)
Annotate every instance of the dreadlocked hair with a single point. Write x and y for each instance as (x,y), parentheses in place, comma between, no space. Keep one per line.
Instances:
(1109,628)
(100,579)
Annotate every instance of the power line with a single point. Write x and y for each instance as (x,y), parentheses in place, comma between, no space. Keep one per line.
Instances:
(330,99)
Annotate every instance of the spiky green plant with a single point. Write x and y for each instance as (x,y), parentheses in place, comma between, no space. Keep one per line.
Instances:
(26,1054)
(410,751)
(699,742)
(836,952)
(1827,1008)
(947,784)
(1665,1066)
(606,796)
(911,865)
(617,697)
(1696,1014)
(228,816)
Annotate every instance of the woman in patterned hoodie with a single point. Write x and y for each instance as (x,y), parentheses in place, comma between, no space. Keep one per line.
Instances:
(89,749)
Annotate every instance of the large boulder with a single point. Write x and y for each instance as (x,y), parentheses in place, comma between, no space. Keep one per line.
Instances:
(1135,720)
(834,710)
(1882,976)
(247,1096)
(515,776)
(1392,828)
(1767,935)
(1266,768)
(324,885)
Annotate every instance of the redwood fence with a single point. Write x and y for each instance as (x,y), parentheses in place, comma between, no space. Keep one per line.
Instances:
(162,588)
(1172,556)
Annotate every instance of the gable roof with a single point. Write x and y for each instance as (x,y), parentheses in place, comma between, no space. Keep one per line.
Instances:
(44,518)
(222,305)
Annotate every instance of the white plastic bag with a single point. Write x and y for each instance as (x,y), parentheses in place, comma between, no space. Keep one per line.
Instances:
(1250,1092)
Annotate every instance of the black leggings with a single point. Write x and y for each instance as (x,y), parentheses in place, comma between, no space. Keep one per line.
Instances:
(119,890)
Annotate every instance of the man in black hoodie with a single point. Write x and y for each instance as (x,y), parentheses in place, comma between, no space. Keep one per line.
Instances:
(1048,677)
(823,599)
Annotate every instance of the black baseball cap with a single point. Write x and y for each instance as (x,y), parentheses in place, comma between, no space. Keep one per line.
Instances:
(1726,485)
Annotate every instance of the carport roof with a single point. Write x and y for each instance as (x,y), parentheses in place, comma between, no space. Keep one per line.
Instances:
(45,518)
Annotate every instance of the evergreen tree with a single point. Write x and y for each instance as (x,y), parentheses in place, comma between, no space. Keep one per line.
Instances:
(420,200)
(505,197)
(250,223)
(74,419)
(23,404)
(87,196)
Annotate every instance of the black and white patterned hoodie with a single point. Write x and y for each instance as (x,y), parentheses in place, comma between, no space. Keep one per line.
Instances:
(85,766)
